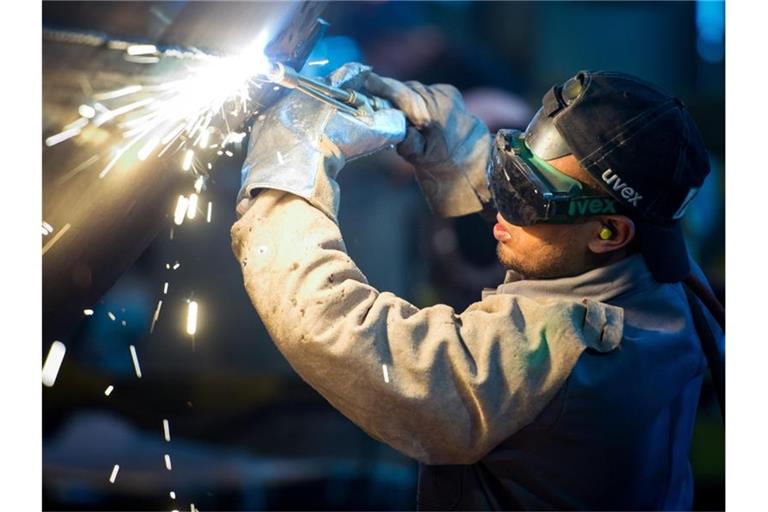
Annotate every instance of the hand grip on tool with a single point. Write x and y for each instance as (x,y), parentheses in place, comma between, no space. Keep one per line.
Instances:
(346,100)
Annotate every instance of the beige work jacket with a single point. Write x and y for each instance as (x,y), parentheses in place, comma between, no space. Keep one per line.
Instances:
(439,386)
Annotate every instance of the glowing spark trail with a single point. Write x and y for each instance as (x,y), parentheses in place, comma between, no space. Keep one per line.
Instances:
(172,495)
(125,91)
(192,207)
(81,167)
(187,162)
(141,49)
(192,318)
(135,361)
(69,131)
(156,316)
(88,312)
(114,473)
(165,288)
(280,158)
(47,228)
(208,217)
(199,182)
(176,265)
(322,62)
(53,362)
(49,244)
(181,210)
(166,431)
(86,111)
(109,389)
(386,373)
(167,461)
(111,316)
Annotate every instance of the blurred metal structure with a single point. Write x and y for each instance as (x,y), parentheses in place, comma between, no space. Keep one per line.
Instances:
(99,227)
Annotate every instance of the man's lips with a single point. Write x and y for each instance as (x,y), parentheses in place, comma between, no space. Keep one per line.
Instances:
(500,233)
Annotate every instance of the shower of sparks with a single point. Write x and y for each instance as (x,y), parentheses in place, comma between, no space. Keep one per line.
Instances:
(172,495)
(141,49)
(187,162)
(109,390)
(208,217)
(321,62)
(386,373)
(166,431)
(174,116)
(52,241)
(53,362)
(88,312)
(181,210)
(111,316)
(156,316)
(86,111)
(192,206)
(165,288)
(192,318)
(113,476)
(135,361)
(167,461)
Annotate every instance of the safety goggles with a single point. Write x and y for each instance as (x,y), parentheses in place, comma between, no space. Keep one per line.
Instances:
(527,190)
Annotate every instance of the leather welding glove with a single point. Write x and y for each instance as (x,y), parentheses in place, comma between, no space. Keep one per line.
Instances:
(302,143)
(448,147)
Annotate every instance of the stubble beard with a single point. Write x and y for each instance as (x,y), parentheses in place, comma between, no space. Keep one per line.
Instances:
(550,267)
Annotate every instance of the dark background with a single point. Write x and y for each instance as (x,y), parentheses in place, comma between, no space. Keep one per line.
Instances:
(247,433)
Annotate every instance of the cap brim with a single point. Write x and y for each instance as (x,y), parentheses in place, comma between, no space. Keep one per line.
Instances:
(664,250)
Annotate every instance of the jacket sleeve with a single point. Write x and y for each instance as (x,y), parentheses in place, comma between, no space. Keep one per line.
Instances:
(441,387)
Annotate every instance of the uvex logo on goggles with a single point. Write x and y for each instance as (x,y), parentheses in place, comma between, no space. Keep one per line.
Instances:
(591,206)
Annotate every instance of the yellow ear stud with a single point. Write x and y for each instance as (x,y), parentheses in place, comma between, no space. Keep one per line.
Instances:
(606,234)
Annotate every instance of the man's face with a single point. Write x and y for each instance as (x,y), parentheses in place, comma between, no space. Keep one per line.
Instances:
(544,251)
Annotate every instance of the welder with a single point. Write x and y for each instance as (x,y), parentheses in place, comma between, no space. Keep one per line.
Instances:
(574,384)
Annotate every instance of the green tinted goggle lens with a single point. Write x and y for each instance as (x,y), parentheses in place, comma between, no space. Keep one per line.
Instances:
(527,190)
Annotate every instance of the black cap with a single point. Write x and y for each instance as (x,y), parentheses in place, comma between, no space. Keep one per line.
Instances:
(641,145)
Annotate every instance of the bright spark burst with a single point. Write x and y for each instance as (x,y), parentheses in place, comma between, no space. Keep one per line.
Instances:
(192,318)
(179,113)
(53,363)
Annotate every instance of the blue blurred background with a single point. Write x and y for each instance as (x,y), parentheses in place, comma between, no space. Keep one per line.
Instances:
(247,433)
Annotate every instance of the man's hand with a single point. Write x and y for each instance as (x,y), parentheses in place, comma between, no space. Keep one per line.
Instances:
(448,147)
(302,144)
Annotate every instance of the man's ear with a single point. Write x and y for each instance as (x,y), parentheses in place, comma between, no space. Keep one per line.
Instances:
(612,233)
